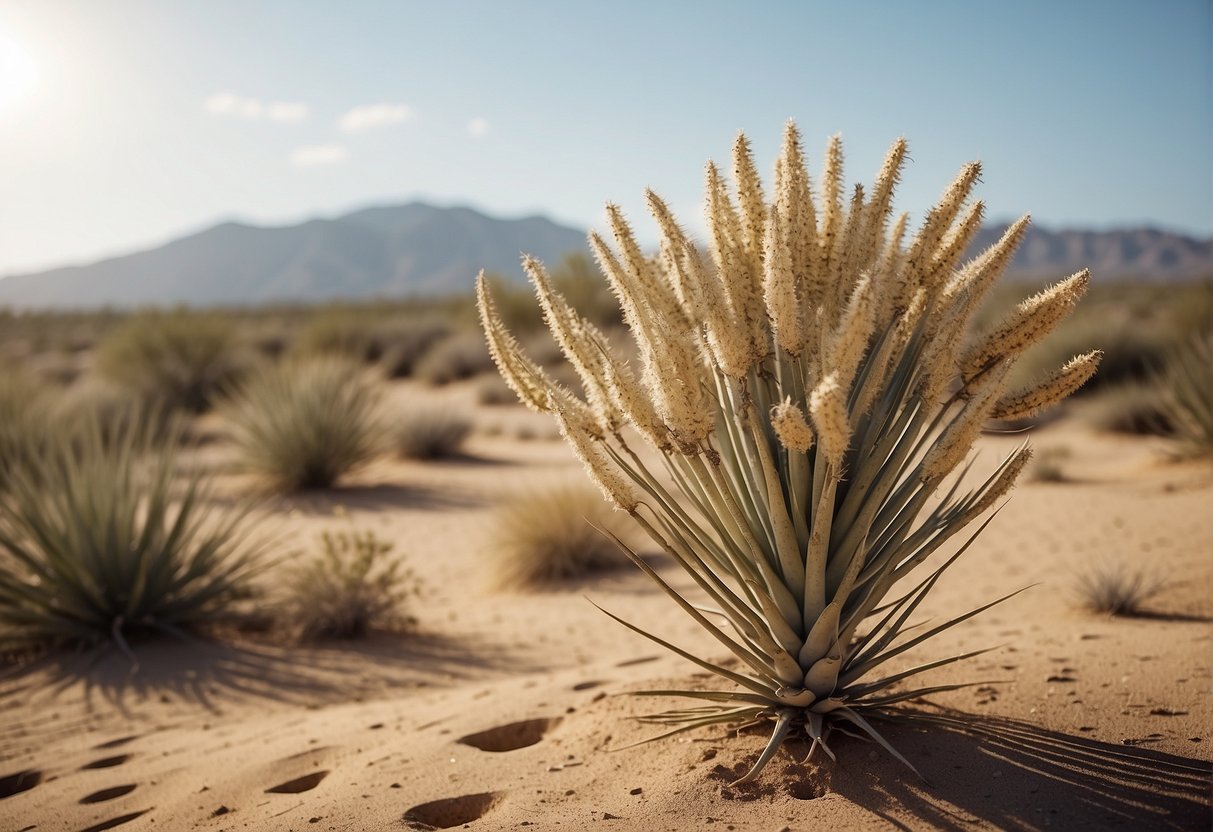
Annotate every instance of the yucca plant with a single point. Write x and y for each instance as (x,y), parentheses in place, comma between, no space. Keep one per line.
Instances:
(1186,384)
(808,388)
(98,542)
(305,423)
(347,588)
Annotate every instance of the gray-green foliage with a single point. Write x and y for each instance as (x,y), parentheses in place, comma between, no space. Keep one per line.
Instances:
(25,410)
(348,588)
(305,423)
(100,539)
(1186,386)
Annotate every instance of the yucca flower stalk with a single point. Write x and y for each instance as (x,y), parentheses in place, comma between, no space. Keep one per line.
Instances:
(808,386)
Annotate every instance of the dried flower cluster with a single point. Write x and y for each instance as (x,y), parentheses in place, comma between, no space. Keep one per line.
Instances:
(808,384)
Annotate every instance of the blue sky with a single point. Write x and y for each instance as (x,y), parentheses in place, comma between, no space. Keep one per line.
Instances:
(126,122)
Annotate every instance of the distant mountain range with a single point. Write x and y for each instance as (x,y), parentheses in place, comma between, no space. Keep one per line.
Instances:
(419,249)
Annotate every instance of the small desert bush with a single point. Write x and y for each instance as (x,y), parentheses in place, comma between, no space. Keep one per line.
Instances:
(98,543)
(1115,588)
(808,387)
(455,357)
(1049,465)
(430,432)
(405,342)
(179,360)
(304,423)
(339,332)
(492,391)
(1132,407)
(348,588)
(1186,387)
(553,535)
(26,407)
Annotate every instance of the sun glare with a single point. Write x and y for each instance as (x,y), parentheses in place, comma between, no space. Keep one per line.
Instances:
(18,71)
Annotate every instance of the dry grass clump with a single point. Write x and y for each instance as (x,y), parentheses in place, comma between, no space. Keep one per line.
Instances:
(430,432)
(1114,588)
(810,390)
(552,535)
(348,588)
(456,357)
(338,332)
(179,360)
(99,543)
(1134,407)
(492,391)
(305,423)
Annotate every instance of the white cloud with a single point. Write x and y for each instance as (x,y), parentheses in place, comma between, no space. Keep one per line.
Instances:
(320,154)
(478,127)
(370,116)
(231,105)
(287,111)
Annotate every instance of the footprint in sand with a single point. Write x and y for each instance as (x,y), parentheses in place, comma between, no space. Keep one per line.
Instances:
(511,737)
(112,822)
(300,784)
(451,811)
(106,762)
(22,781)
(112,793)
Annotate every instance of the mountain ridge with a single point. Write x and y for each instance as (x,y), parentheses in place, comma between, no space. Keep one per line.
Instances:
(417,248)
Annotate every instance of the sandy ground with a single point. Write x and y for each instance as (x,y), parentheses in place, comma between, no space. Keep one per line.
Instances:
(502,711)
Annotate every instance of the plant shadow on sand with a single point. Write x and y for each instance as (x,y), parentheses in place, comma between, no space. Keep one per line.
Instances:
(1005,774)
(213,674)
(374,498)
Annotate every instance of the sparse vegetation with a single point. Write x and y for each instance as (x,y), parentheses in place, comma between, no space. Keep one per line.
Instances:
(455,357)
(97,544)
(809,389)
(179,360)
(1186,384)
(349,588)
(305,423)
(1115,588)
(430,432)
(1049,465)
(25,408)
(553,535)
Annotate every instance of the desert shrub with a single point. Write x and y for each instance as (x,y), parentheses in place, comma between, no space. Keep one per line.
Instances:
(492,391)
(404,343)
(339,332)
(455,357)
(179,360)
(1115,588)
(1049,465)
(809,389)
(304,423)
(1186,388)
(25,429)
(430,432)
(348,588)
(1133,407)
(97,544)
(547,536)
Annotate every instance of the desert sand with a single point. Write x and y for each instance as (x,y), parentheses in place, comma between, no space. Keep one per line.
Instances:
(507,711)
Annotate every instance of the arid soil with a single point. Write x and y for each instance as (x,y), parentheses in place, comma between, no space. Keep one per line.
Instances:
(506,711)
